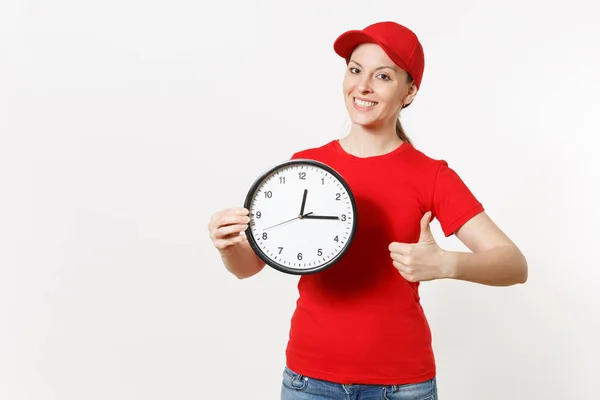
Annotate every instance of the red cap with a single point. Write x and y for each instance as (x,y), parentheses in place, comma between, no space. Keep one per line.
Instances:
(400,44)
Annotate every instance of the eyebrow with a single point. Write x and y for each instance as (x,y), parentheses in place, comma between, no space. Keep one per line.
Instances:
(376,69)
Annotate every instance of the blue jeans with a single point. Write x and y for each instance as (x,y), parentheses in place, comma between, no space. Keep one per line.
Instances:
(299,387)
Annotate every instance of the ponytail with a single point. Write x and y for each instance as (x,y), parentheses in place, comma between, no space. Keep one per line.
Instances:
(400,132)
(399,129)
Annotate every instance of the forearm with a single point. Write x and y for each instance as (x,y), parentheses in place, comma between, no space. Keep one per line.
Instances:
(500,266)
(241,260)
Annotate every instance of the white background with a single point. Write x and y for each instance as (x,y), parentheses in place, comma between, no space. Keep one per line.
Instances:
(125,124)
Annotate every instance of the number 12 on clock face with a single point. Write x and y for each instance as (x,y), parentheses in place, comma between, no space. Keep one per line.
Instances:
(303,216)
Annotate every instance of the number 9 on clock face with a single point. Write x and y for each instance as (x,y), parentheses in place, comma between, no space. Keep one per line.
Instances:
(302,216)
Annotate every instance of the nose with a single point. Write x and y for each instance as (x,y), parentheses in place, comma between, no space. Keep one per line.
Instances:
(364,84)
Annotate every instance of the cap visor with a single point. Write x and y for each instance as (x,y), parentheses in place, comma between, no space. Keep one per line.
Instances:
(348,41)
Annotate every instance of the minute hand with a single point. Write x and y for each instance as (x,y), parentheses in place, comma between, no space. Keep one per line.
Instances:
(312,216)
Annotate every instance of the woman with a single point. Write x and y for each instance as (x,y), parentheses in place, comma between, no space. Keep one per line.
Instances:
(359,330)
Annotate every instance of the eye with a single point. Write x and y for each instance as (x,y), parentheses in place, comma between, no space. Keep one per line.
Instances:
(354,70)
(384,77)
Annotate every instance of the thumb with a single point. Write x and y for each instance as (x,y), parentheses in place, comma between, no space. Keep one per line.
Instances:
(426,235)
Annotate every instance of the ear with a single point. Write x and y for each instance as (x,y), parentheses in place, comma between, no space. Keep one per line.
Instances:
(410,95)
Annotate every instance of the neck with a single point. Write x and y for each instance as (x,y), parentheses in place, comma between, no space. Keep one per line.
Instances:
(365,142)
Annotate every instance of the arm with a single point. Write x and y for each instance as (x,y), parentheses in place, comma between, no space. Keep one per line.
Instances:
(495,260)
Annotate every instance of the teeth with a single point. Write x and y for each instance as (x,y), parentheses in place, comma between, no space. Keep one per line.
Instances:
(364,103)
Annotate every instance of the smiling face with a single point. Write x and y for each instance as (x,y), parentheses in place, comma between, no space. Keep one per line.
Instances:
(375,89)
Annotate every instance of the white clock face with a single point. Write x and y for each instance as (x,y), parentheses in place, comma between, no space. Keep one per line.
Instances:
(296,238)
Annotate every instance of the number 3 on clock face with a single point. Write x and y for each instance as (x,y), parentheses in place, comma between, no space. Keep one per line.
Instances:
(302,216)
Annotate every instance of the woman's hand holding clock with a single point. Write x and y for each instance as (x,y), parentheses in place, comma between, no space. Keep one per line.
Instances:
(226,226)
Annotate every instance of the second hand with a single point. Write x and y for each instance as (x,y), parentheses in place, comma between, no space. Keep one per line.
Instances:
(289,220)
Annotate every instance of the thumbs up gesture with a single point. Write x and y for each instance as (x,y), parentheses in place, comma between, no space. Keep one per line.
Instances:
(421,261)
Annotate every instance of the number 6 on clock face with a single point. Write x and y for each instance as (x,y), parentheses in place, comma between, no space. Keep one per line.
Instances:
(302,216)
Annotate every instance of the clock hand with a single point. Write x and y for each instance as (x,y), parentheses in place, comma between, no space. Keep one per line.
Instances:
(289,220)
(308,216)
(303,202)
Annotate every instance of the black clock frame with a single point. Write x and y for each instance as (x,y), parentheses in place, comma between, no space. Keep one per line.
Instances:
(252,241)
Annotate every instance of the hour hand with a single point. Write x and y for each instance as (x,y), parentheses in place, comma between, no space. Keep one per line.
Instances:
(303,202)
(312,216)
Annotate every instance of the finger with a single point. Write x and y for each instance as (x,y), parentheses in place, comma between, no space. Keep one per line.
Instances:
(400,248)
(235,210)
(409,277)
(228,219)
(215,219)
(239,210)
(401,260)
(426,236)
(222,244)
(227,231)
(405,269)
(233,219)
(425,222)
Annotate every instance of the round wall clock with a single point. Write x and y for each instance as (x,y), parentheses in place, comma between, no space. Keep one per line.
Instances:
(302,216)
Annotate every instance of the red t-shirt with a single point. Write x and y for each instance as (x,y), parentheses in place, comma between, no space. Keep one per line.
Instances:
(360,321)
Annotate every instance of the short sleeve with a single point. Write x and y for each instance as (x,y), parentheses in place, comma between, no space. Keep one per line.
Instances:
(453,203)
(301,154)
